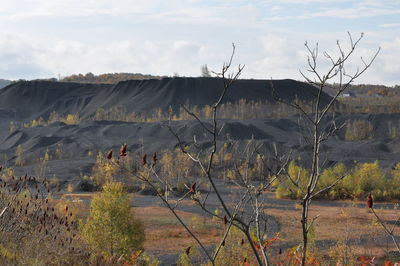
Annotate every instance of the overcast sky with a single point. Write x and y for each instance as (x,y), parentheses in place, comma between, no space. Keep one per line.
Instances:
(48,38)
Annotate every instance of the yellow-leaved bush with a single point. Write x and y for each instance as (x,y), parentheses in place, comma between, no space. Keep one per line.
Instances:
(111,230)
(286,188)
(365,178)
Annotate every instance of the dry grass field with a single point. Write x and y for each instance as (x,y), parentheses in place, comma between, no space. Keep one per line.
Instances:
(345,231)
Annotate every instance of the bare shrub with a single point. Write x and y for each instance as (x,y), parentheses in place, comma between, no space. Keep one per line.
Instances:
(320,77)
(31,229)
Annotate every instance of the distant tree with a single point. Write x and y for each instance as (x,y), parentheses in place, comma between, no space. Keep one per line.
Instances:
(12,127)
(204,71)
(19,156)
(89,77)
(383,91)
(108,78)
(111,230)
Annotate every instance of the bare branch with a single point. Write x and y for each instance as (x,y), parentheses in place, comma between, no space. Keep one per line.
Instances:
(389,232)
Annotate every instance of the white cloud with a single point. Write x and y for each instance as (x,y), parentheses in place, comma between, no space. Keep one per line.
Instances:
(353,13)
(77,7)
(48,58)
(46,38)
(390,56)
(277,58)
(17,58)
(275,8)
(281,56)
(390,25)
(272,55)
(304,2)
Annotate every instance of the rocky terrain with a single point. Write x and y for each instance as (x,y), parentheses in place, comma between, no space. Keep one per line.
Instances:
(24,101)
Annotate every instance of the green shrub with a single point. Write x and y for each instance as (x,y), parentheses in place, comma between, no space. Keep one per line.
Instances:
(357,184)
(367,177)
(111,229)
(331,175)
(286,188)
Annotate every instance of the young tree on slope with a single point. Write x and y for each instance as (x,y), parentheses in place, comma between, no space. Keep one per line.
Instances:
(319,130)
(111,229)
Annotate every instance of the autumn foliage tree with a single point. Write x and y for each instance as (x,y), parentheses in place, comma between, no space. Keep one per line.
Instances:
(111,229)
(109,78)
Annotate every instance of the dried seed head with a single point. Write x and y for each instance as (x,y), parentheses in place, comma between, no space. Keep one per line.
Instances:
(155,157)
(187,251)
(370,201)
(109,155)
(225,220)
(144,159)
(122,151)
(193,188)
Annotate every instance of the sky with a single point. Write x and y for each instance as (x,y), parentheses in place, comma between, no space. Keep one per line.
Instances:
(55,38)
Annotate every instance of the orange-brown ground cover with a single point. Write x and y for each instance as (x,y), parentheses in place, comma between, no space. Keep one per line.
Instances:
(340,230)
